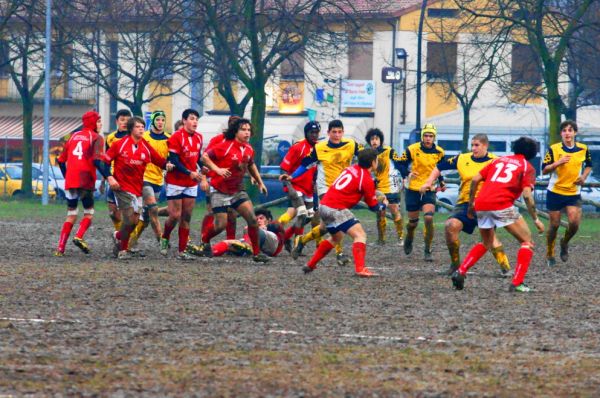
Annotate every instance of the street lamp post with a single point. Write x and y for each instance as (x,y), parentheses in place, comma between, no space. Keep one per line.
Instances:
(48,71)
(419,56)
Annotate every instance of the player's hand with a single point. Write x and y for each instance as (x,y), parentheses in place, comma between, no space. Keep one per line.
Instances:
(425,187)
(412,175)
(169,166)
(441,187)
(253,181)
(284,177)
(194,175)
(539,225)
(471,212)
(113,184)
(563,160)
(204,185)
(204,170)
(223,172)
(579,181)
(263,188)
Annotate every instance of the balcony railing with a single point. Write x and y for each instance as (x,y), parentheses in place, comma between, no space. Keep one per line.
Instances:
(64,91)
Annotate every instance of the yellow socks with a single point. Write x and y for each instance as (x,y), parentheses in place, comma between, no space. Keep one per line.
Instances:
(399,227)
(454,250)
(314,233)
(285,218)
(501,258)
(381,224)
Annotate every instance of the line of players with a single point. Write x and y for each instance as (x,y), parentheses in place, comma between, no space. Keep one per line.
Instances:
(138,159)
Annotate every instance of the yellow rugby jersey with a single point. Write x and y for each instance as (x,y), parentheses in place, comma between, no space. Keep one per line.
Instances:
(562,179)
(467,166)
(387,174)
(423,162)
(332,160)
(153,173)
(111,139)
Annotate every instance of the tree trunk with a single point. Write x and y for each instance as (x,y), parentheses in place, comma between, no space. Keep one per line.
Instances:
(466,129)
(259,106)
(27,104)
(554,112)
(136,109)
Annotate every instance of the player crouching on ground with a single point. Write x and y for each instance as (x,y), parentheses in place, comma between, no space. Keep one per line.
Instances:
(344,193)
(131,154)
(504,179)
(270,238)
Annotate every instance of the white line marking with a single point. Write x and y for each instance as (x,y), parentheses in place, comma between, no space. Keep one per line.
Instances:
(37,320)
(271,331)
(365,336)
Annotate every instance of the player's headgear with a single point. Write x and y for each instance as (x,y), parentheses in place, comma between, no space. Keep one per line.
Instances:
(429,128)
(156,114)
(89,119)
(311,126)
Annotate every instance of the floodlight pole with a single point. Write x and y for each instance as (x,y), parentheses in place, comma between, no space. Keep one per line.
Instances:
(48,72)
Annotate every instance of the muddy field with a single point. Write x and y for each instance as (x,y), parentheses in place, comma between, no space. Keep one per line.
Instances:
(89,325)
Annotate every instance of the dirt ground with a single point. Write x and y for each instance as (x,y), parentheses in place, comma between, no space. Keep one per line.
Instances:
(89,325)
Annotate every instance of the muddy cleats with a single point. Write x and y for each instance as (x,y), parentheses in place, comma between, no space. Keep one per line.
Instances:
(505,273)
(408,246)
(564,251)
(288,245)
(116,244)
(204,250)
(124,255)
(307,269)
(522,288)
(240,248)
(137,252)
(164,246)
(427,256)
(450,270)
(261,258)
(458,280)
(192,249)
(550,261)
(185,256)
(58,253)
(401,242)
(342,260)
(81,244)
(298,246)
(365,273)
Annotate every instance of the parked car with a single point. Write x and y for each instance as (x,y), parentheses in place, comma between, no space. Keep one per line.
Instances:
(274,186)
(58,180)
(590,193)
(10,180)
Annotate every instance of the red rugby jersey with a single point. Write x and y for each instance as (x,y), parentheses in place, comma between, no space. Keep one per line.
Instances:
(504,181)
(79,153)
(292,161)
(347,190)
(235,156)
(188,147)
(130,160)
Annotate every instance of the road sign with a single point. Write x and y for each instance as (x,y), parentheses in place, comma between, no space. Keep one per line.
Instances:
(391,74)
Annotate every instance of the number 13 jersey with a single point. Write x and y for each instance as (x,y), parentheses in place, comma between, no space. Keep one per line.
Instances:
(504,181)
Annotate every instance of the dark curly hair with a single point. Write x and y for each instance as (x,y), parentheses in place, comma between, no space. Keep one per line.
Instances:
(526,146)
(374,132)
(265,212)
(235,127)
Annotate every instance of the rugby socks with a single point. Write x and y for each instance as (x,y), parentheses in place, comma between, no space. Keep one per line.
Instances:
(287,235)
(550,242)
(167,231)
(474,255)
(359,251)
(381,224)
(253,234)
(339,247)
(230,226)
(206,222)
(454,251)
(524,256)
(219,248)
(501,258)
(298,230)
(208,233)
(410,230)
(64,236)
(428,235)
(123,236)
(135,234)
(83,227)
(569,233)
(184,235)
(117,224)
(284,218)
(399,227)
(322,250)
(314,233)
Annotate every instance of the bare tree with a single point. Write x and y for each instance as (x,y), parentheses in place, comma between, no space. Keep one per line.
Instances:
(548,26)
(125,47)
(465,55)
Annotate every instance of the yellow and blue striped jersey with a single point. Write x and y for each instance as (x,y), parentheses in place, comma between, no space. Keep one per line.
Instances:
(562,179)
(332,159)
(153,173)
(423,161)
(467,166)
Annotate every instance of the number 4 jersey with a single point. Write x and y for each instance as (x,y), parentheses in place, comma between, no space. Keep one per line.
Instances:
(79,154)
(504,181)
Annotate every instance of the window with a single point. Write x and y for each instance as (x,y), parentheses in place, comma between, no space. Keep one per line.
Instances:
(360,60)
(4,58)
(524,66)
(443,12)
(293,67)
(441,60)
(163,60)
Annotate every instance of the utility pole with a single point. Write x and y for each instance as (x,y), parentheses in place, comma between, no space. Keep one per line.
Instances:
(48,72)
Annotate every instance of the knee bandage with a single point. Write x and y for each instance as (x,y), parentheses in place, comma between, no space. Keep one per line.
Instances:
(72,212)
(428,214)
(89,211)
(302,211)
(413,221)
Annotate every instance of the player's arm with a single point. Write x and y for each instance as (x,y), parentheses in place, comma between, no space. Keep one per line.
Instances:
(103,166)
(587,169)
(403,163)
(308,161)
(370,196)
(475,181)
(208,162)
(530,203)
(253,171)
(550,164)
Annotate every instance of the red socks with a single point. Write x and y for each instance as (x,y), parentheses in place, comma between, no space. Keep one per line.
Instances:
(230,227)
(322,250)
(64,236)
(220,248)
(83,227)
(167,231)
(184,235)
(289,233)
(253,233)
(474,255)
(524,256)
(359,251)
